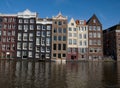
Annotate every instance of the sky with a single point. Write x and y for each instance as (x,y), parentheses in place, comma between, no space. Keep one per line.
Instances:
(107,11)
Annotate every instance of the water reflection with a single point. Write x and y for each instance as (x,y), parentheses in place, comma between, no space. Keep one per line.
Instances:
(28,74)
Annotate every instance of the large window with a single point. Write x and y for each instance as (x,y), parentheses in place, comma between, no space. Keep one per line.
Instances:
(26,20)
(98,28)
(80,36)
(42,41)
(48,33)
(70,41)
(20,20)
(64,38)
(90,27)
(90,42)
(90,35)
(47,41)
(64,46)
(38,27)
(18,54)
(94,35)
(48,27)
(85,36)
(24,46)
(38,33)
(64,30)
(75,34)
(19,27)
(55,30)
(74,41)
(37,41)
(59,46)
(30,54)
(30,46)
(99,35)
(47,49)
(31,20)
(25,36)
(19,36)
(54,46)
(59,30)
(31,27)
(59,38)
(70,34)
(31,37)
(43,33)
(18,45)
(70,29)
(55,38)
(25,28)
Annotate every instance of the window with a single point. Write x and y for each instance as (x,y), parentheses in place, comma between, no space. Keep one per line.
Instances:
(59,38)
(47,49)
(47,41)
(31,20)
(85,36)
(37,41)
(42,49)
(31,37)
(80,43)
(59,55)
(94,35)
(19,36)
(31,27)
(4,33)
(64,46)
(19,27)
(0,26)
(70,41)
(64,30)
(24,46)
(91,50)
(98,28)
(54,55)
(43,27)
(48,33)
(64,55)
(64,38)
(38,27)
(5,19)
(85,43)
(70,29)
(55,38)
(38,33)
(94,28)
(72,24)
(54,46)
(1,19)
(99,42)
(47,55)
(55,22)
(90,35)
(25,28)
(74,29)
(9,33)
(75,34)
(18,53)
(37,49)
(20,21)
(90,42)
(42,41)
(55,30)
(74,41)
(59,46)
(43,33)
(94,20)
(59,30)
(59,23)
(18,45)
(70,34)
(30,46)
(94,42)
(48,27)
(13,33)
(99,35)
(80,36)
(90,27)
(25,37)
(30,54)
(25,20)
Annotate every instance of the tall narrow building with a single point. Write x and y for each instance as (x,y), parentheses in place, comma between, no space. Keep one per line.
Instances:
(26,34)
(95,39)
(59,38)
(7,36)
(111,41)
(72,51)
(43,39)
(82,41)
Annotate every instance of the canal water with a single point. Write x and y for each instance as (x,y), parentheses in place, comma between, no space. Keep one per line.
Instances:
(28,74)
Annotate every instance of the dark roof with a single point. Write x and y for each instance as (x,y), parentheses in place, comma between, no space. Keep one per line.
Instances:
(114,27)
(93,17)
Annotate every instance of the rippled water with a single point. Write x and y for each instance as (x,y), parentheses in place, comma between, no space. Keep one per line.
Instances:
(28,74)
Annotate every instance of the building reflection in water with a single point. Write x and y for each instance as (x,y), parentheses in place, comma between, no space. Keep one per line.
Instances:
(30,74)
